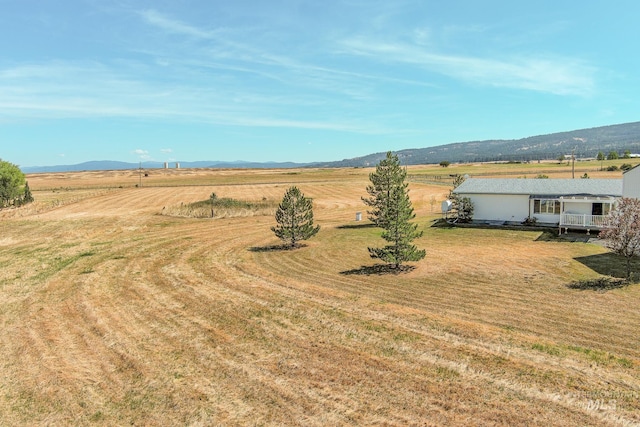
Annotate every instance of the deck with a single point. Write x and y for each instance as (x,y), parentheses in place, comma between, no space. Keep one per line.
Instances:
(582,222)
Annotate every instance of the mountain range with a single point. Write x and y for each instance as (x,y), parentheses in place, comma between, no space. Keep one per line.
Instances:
(584,143)
(114,165)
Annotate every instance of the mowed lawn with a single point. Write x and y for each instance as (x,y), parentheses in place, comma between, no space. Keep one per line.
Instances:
(115,314)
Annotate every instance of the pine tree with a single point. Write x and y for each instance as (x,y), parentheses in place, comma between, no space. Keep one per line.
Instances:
(462,207)
(392,211)
(295,218)
(27,197)
(388,175)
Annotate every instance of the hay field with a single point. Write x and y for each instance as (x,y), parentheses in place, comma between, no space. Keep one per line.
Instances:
(113,314)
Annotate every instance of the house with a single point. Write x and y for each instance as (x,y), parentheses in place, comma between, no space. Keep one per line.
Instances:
(566,203)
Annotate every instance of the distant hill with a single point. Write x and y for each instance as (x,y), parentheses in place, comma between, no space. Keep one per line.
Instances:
(586,142)
(113,165)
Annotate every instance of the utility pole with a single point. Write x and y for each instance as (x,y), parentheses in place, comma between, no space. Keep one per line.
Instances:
(140,173)
(573,163)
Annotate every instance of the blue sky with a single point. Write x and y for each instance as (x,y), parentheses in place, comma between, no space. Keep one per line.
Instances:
(294,80)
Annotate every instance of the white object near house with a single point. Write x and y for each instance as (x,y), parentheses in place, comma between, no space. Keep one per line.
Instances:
(567,203)
(358,216)
(446,206)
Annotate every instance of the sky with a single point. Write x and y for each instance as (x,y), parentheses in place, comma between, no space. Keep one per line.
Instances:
(303,81)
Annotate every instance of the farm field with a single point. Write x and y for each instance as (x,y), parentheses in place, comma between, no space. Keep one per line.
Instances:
(113,313)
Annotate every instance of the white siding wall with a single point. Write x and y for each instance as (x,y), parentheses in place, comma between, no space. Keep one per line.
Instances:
(631,183)
(578,208)
(546,218)
(499,207)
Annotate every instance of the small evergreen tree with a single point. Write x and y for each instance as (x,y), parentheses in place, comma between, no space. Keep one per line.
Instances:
(295,218)
(462,207)
(27,197)
(392,211)
(457,180)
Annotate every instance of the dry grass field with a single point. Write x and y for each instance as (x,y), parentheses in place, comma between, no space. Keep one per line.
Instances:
(115,314)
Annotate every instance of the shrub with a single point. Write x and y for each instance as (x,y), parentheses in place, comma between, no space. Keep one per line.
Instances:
(222,207)
(465,209)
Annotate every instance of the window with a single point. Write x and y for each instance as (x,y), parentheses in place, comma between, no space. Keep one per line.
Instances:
(546,206)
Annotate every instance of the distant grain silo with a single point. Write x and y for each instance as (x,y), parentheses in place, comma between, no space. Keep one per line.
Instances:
(166,165)
(177,165)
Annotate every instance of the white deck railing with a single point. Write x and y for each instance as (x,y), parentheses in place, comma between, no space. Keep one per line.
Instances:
(583,220)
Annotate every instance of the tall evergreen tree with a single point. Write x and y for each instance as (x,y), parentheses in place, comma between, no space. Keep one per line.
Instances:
(392,211)
(388,176)
(295,218)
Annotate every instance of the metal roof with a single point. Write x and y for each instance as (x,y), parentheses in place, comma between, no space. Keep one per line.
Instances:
(551,187)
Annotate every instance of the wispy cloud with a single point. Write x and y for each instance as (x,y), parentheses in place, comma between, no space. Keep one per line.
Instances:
(242,52)
(166,150)
(173,26)
(142,154)
(556,75)
(81,90)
